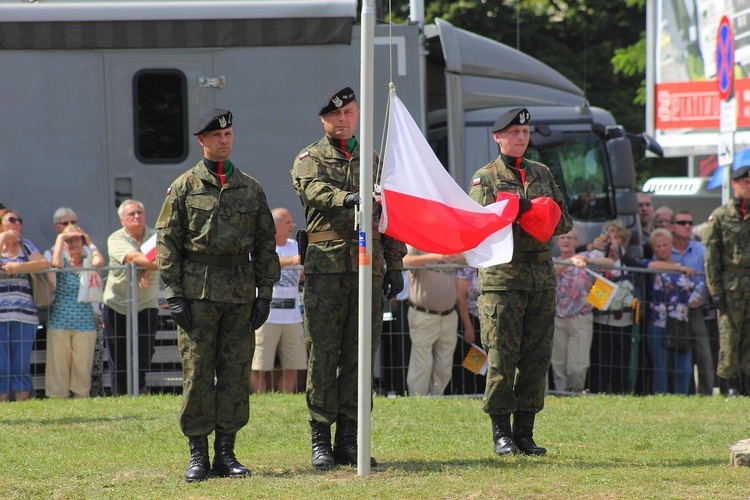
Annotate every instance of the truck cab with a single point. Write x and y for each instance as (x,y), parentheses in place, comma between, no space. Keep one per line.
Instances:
(588,153)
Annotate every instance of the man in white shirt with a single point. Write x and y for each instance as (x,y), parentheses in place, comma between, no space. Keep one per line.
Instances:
(283,329)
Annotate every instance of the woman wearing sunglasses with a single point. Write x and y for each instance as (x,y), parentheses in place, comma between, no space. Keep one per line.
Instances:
(18,315)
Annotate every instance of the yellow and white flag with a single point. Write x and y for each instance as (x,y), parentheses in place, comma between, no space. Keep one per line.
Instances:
(602,292)
(476,360)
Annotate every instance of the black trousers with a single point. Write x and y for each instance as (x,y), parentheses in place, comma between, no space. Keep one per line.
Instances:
(115,335)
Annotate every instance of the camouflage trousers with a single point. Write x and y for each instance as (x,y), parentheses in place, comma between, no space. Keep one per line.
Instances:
(517,330)
(331,335)
(734,336)
(220,345)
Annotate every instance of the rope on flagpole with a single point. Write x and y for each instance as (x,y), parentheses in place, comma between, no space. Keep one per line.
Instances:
(383,141)
(391,88)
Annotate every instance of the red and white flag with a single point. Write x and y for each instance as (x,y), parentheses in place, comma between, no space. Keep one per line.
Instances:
(424,207)
(149,248)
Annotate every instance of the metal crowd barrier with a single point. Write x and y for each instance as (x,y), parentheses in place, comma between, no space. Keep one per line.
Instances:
(391,361)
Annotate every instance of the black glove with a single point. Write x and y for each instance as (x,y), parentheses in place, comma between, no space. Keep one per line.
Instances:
(351,200)
(524,204)
(261,309)
(393,283)
(180,312)
(719,302)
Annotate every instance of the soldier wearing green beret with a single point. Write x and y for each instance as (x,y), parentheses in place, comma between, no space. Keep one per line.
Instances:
(326,178)
(217,256)
(517,301)
(727,261)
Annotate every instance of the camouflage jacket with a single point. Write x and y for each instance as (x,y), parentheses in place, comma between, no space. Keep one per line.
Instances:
(496,177)
(322,177)
(201,216)
(727,241)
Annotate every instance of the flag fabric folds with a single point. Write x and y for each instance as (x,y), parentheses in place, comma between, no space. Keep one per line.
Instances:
(540,221)
(602,292)
(149,248)
(424,207)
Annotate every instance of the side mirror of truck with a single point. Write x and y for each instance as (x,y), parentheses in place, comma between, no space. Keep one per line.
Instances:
(626,203)
(620,158)
(647,143)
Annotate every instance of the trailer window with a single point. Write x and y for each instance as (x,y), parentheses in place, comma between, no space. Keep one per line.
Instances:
(160,116)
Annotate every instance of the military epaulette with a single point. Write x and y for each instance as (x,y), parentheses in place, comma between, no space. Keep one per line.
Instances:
(304,155)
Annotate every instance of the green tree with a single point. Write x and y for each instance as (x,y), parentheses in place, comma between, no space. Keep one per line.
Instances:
(597,44)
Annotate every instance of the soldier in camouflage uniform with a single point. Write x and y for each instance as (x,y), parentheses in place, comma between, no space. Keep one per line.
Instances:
(517,301)
(727,240)
(216,247)
(326,178)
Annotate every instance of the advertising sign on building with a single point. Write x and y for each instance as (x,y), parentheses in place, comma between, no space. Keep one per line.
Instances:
(700,59)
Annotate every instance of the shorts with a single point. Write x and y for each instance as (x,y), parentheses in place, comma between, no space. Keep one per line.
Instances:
(289,338)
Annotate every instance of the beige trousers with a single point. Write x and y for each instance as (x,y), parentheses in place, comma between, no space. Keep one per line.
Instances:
(433,340)
(70,357)
(571,352)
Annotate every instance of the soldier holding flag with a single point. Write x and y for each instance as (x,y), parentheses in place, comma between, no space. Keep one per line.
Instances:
(326,178)
(517,301)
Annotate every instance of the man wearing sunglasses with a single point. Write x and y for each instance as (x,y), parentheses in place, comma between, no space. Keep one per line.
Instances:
(690,253)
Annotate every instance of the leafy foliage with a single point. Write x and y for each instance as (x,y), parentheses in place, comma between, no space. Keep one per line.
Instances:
(597,44)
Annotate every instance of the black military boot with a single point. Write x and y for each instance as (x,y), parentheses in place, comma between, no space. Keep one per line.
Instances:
(225,464)
(501,435)
(730,387)
(199,466)
(345,443)
(523,433)
(322,455)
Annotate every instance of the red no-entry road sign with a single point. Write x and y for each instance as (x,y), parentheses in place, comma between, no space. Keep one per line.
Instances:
(725,58)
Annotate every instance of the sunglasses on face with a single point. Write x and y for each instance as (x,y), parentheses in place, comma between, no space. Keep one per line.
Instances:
(15,219)
(684,222)
(67,222)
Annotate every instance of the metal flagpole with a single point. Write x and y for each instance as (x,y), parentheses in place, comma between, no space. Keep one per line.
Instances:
(364,402)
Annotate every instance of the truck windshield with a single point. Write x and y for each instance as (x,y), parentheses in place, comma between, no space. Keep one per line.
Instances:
(578,164)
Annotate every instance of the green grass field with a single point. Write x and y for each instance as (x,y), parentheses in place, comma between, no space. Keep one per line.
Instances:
(599,447)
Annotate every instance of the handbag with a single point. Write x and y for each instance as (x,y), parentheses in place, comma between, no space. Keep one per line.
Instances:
(91,287)
(40,289)
(677,335)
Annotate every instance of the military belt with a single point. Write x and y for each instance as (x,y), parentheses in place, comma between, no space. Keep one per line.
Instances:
(430,311)
(531,257)
(283,303)
(336,235)
(745,271)
(216,260)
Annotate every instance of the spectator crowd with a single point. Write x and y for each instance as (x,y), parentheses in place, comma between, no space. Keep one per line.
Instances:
(618,350)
